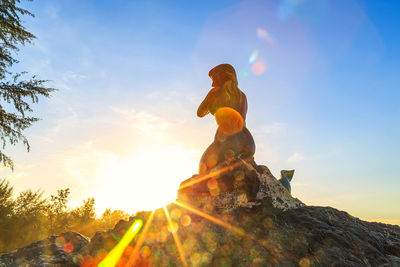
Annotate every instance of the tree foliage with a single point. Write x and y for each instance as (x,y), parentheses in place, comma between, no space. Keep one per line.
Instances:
(30,217)
(16,94)
(57,214)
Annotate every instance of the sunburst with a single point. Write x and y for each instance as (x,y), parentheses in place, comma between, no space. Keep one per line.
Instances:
(133,257)
(215,173)
(115,254)
(176,238)
(213,219)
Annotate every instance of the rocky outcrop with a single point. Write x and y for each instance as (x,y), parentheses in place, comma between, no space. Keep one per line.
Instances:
(238,216)
(61,250)
(235,184)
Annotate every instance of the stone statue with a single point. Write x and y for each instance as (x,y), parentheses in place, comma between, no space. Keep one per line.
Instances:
(228,104)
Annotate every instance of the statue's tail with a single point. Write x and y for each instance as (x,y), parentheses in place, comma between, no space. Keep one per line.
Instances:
(286,178)
(288,174)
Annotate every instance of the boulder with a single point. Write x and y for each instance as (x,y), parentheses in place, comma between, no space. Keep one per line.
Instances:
(56,250)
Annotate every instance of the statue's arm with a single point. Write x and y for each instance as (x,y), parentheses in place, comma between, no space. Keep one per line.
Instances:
(204,106)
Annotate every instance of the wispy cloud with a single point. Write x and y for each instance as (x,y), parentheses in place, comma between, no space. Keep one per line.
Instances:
(274,129)
(296,157)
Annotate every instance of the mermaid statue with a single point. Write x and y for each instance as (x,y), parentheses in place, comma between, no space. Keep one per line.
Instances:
(228,104)
(221,167)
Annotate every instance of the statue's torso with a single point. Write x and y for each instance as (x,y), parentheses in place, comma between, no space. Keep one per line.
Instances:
(221,100)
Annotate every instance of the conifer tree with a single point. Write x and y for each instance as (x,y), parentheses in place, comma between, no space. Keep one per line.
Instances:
(16,93)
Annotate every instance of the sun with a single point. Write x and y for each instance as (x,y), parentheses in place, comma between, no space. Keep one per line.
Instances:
(146,180)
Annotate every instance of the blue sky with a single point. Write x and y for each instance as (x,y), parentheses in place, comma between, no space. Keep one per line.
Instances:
(322,87)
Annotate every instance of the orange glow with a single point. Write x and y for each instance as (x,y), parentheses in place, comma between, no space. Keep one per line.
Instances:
(229,120)
(214,173)
(213,187)
(212,184)
(186,220)
(176,238)
(212,160)
(68,247)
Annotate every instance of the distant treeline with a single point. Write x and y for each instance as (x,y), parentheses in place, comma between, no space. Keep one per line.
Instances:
(30,217)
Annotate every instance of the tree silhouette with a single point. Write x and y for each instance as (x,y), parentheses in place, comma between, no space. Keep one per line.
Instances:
(7,205)
(30,217)
(109,218)
(57,211)
(16,94)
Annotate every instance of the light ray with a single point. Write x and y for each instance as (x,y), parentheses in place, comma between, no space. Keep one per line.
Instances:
(115,254)
(135,253)
(176,238)
(212,219)
(217,172)
(237,230)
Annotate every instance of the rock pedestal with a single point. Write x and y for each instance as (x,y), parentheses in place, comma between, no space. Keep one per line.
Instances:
(239,215)
(234,184)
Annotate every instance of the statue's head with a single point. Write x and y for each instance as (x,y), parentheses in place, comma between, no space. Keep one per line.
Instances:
(222,73)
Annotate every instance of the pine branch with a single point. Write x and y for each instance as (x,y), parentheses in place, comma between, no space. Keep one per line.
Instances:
(16,92)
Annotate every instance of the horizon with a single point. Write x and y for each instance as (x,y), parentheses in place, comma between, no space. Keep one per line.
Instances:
(321,89)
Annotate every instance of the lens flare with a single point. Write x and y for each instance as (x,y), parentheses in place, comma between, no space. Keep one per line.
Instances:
(215,173)
(176,239)
(253,56)
(261,33)
(186,220)
(78,259)
(173,227)
(244,72)
(115,254)
(229,121)
(258,68)
(211,160)
(264,35)
(140,240)
(304,262)
(212,184)
(68,247)
(176,213)
(235,229)
(211,218)
(60,241)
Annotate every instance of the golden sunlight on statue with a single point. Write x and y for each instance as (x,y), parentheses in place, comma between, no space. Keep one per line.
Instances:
(228,104)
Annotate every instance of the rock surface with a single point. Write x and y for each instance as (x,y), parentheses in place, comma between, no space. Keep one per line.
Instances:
(62,250)
(237,184)
(238,216)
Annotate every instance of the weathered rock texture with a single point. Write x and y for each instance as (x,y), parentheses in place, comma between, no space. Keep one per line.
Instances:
(246,218)
(62,250)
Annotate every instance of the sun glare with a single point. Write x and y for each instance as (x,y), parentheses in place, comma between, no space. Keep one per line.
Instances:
(144,181)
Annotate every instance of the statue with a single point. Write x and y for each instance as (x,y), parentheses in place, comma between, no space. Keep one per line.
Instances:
(228,163)
(228,104)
